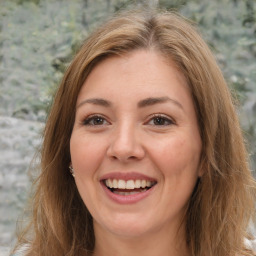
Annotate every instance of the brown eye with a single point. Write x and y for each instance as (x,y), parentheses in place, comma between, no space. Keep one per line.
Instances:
(160,121)
(95,121)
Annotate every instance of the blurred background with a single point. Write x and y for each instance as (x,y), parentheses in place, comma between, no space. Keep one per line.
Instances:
(38,38)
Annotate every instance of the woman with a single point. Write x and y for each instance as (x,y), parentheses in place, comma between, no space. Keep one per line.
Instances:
(145,123)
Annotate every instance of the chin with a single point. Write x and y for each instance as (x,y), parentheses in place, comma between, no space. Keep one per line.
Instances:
(127,226)
(129,231)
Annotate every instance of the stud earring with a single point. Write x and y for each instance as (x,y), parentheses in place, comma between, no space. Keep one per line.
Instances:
(71,170)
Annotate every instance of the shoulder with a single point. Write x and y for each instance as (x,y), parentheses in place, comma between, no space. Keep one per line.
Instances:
(20,252)
(250,244)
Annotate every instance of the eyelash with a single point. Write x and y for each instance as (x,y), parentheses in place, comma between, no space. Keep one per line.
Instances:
(162,118)
(156,117)
(92,118)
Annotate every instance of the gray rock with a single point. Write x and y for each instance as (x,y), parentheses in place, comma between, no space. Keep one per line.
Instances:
(19,140)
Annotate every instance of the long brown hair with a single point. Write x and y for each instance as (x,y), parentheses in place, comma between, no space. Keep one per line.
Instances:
(222,204)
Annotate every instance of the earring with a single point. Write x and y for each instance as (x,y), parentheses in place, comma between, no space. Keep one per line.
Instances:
(71,170)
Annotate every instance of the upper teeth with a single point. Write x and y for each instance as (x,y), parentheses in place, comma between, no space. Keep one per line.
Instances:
(129,184)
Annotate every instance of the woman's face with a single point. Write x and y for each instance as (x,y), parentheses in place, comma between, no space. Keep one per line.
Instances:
(135,145)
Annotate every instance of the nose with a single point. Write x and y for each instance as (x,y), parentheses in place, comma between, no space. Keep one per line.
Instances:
(126,144)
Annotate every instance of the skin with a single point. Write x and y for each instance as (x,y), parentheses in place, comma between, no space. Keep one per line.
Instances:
(160,140)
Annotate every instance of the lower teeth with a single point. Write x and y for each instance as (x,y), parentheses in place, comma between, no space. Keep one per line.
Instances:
(128,193)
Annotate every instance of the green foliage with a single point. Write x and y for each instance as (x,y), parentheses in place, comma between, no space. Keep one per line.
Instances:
(172,5)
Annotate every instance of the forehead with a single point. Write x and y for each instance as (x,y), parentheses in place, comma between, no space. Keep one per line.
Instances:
(141,71)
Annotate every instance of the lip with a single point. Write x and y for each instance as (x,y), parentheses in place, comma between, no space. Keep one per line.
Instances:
(127,199)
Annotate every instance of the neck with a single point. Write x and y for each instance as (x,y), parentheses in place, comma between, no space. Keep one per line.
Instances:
(156,243)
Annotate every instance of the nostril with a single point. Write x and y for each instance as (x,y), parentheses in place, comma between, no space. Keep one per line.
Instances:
(124,158)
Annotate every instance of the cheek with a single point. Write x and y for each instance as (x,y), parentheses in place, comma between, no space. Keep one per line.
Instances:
(86,154)
(177,156)
(86,158)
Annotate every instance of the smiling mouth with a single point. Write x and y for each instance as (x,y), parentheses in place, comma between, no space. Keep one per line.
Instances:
(129,187)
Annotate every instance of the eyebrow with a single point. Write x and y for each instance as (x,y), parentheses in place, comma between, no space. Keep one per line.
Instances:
(141,104)
(152,101)
(96,101)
